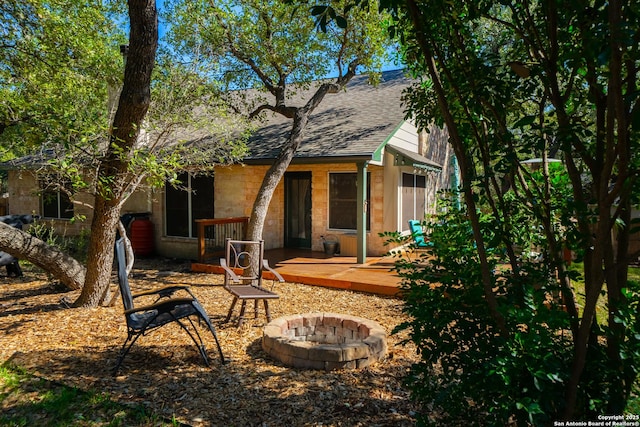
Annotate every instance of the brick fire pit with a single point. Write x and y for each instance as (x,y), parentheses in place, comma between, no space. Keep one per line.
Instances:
(324,341)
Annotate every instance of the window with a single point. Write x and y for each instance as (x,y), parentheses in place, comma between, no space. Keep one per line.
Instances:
(343,201)
(413,198)
(192,200)
(56,204)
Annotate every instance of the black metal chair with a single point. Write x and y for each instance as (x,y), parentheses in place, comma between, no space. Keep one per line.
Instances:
(244,265)
(164,310)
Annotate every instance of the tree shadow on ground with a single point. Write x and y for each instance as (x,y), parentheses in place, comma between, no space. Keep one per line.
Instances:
(171,380)
(164,371)
(9,294)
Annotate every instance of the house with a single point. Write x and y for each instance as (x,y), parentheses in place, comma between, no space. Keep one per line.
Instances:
(361,163)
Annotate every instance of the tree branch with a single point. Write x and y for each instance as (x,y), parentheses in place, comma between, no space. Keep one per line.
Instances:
(288,112)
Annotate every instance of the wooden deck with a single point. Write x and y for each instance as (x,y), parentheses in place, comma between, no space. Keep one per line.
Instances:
(316,268)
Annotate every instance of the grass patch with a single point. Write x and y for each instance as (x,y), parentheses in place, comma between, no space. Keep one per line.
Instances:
(26,400)
(602,316)
(634,276)
(601,305)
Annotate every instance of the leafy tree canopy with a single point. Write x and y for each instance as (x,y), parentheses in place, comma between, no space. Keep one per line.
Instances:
(66,95)
(258,44)
(514,80)
(57,60)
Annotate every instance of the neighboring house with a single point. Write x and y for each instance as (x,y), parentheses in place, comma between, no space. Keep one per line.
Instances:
(358,133)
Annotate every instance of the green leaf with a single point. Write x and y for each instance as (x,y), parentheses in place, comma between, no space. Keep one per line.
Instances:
(341,22)
(318,10)
(525,121)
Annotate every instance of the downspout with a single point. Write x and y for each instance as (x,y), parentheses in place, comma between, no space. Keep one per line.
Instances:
(362,212)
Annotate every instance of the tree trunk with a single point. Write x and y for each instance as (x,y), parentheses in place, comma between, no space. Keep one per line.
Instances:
(100,254)
(113,175)
(464,162)
(275,173)
(25,246)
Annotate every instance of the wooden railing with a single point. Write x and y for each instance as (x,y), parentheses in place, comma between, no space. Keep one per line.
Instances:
(213,233)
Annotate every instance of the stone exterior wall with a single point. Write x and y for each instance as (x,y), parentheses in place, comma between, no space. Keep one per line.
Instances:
(235,190)
(320,205)
(24,199)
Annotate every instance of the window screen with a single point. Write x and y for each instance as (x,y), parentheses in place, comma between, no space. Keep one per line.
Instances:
(343,201)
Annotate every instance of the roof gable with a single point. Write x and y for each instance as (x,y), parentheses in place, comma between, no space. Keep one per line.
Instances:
(354,123)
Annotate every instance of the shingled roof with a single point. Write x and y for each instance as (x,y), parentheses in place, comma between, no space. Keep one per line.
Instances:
(352,124)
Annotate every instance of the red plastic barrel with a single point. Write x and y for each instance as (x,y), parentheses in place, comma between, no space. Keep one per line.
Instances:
(141,232)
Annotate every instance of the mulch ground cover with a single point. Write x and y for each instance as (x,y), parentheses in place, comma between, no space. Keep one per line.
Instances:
(164,372)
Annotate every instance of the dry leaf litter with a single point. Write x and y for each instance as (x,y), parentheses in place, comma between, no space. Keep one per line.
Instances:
(164,372)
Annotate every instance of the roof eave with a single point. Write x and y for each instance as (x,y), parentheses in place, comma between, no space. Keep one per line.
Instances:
(316,160)
(402,157)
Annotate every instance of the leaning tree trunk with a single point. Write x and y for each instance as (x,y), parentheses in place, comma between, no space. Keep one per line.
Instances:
(464,162)
(276,171)
(51,259)
(274,176)
(113,174)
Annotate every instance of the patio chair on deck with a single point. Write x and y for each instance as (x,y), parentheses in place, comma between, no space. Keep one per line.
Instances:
(163,310)
(417,232)
(244,265)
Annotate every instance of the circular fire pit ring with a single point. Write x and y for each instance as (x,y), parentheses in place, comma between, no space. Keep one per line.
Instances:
(324,341)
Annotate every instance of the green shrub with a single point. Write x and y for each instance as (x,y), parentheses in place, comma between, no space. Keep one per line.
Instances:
(75,246)
(470,371)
